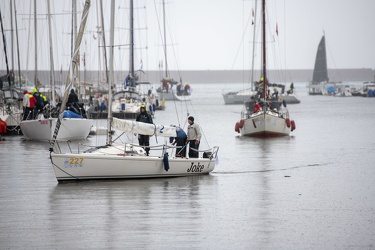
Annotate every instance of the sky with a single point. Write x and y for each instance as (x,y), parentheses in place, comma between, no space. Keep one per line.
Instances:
(202,34)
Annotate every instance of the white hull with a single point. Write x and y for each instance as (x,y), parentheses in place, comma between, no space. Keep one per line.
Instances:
(290,98)
(43,129)
(173,96)
(116,163)
(265,124)
(238,97)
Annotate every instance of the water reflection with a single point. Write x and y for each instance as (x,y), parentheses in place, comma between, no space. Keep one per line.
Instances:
(116,210)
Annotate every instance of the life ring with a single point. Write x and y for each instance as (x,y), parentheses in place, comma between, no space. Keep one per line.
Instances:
(293,124)
(287,121)
(241,123)
(237,127)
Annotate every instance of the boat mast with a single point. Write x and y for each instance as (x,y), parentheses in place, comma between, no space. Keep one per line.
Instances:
(36,48)
(165,42)
(131,63)
(18,47)
(52,74)
(111,77)
(5,49)
(254,32)
(265,81)
(69,83)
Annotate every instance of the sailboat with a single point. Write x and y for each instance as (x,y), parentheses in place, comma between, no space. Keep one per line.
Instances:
(73,126)
(128,99)
(320,74)
(127,160)
(171,89)
(263,116)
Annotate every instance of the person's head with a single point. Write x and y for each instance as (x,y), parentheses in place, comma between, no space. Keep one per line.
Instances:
(72,91)
(25,92)
(143,108)
(190,120)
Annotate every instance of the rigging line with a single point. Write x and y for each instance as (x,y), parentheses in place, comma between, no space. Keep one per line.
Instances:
(241,42)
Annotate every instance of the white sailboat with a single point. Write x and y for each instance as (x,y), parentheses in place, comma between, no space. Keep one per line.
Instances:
(127,160)
(72,127)
(128,99)
(170,89)
(263,116)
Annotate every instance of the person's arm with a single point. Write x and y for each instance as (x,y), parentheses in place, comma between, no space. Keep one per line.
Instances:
(198,132)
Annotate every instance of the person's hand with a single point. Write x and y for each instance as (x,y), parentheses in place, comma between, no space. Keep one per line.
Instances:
(196,141)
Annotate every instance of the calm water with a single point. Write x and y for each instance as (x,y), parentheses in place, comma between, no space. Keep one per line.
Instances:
(312,190)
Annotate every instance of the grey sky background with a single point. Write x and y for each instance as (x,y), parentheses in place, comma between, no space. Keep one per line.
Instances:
(204,34)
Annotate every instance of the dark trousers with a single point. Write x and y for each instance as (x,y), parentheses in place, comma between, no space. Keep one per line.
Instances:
(181,148)
(28,114)
(193,153)
(144,140)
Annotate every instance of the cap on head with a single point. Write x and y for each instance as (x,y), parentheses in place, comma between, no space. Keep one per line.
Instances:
(191,118)
(143,106)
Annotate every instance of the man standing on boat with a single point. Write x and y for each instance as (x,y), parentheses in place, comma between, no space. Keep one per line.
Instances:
(144,140)
(194,136)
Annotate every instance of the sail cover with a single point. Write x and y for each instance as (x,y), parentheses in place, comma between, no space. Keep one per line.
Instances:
(143,128)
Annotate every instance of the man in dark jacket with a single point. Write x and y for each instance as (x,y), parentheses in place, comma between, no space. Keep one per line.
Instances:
(73,97)
(180,141)
(144,140)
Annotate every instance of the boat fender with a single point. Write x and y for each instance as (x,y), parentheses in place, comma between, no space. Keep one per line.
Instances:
(241,123)
(237,127)
(293,124)
(166,162)
(287,120)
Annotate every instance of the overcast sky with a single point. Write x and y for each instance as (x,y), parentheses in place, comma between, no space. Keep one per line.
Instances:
(206,34)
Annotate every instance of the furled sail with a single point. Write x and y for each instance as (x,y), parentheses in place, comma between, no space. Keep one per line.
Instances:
(144,128)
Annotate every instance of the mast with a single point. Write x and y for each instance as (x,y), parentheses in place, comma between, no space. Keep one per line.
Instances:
(36,48)
(69,83)
(104,43)
(252,60)
(165,42)
(18,46)
(52,74)
(265,81)
(5,50)
(131,58)
(111,77)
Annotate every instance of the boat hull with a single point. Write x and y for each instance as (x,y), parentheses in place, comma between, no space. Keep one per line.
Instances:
(43,129)
(173,96)
(88,166)
(290,99)
(265,124)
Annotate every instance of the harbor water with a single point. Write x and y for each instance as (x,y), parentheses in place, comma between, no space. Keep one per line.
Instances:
(313,189)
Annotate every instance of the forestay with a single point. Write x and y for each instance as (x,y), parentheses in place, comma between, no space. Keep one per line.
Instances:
(143,128)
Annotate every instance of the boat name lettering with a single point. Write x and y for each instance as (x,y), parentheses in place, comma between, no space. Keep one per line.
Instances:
(43,121)
(162,129)
(195,167)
